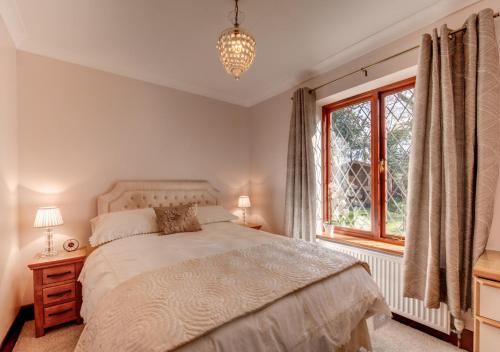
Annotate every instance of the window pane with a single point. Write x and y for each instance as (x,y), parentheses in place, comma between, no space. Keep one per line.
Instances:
(398,120)
(350,186)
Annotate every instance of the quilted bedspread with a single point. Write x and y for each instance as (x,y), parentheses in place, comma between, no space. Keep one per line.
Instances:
(167,308)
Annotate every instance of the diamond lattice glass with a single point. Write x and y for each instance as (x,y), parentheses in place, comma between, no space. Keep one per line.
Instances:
(398,120)
(350,179)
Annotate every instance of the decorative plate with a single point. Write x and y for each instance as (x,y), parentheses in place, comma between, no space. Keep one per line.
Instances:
(71,245)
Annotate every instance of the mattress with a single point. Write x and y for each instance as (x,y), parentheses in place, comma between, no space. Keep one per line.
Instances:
(284,325)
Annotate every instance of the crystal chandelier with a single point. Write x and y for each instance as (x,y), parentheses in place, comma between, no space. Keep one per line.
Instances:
(236,48)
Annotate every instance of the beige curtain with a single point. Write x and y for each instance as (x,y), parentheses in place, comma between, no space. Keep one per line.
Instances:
(453,162)
(300,202)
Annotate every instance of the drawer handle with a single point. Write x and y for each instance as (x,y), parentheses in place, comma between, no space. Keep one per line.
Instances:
(61,312)
(59,274)
(59,294)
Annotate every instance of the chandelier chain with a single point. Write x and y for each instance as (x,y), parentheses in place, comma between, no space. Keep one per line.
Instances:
(236,12)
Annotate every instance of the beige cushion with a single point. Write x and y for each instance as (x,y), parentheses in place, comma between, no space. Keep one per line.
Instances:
(180,218)
(120,224)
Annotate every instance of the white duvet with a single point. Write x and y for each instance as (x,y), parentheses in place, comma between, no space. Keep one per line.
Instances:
(284,325)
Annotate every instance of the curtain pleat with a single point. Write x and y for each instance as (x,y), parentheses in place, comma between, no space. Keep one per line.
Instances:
(300,181)
(453,162)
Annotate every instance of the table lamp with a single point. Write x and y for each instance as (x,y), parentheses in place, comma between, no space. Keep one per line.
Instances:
(48,217)
(244,202)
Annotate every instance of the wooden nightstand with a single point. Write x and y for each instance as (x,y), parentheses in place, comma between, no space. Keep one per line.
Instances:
(250,225)
(486,299)
(58,296)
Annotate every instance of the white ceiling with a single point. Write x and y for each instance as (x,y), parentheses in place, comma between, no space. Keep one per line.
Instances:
(172,43)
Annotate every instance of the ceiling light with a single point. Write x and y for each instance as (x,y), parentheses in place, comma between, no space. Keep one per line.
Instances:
(236,48)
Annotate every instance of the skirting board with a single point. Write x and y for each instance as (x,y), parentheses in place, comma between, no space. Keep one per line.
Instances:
(25,314)
(466,343)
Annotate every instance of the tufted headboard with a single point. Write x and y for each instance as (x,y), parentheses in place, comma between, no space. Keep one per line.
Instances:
(126,195)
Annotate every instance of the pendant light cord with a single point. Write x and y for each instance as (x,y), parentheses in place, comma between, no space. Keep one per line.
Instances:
(236,10)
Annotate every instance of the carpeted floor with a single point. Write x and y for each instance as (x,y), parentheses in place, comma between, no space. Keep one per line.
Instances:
(396,337)
(392,337)
(62,339)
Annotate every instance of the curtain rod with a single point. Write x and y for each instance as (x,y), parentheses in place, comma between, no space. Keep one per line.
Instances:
(364,69)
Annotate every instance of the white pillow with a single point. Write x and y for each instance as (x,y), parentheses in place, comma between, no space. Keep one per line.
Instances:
(213,213)
(121,224)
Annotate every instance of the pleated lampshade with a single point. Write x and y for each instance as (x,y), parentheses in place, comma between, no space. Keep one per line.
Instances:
(244,202)
(48,217)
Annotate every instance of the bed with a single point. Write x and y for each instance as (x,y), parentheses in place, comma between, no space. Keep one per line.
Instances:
(327,314)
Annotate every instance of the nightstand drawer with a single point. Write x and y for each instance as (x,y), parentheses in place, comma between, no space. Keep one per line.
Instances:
(59,293)
(489,335)
(489,295)
(60,313)
(58,274)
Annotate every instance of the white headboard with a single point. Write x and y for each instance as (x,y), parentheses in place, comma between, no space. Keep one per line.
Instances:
(127,195)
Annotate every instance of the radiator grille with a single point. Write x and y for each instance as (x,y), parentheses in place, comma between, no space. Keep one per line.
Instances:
(387,272)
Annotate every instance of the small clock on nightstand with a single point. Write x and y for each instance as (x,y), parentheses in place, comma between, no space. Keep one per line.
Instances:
(57,293)
(250,225)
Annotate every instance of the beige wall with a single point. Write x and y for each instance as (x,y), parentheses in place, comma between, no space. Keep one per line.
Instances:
(269,121)
(81,129)
(9,295)
(269,127)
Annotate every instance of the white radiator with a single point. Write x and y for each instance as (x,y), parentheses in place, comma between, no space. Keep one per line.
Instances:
(387,271)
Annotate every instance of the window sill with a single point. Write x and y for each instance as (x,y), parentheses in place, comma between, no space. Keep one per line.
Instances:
(364,243)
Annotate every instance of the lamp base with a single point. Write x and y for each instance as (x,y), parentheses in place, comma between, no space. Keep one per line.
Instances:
(49,250)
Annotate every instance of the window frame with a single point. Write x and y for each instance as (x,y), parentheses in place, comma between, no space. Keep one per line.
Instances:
(378,154)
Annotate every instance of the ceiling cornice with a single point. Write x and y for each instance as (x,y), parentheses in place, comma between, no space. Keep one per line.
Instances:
(409,25)
(12,18)
(14,22)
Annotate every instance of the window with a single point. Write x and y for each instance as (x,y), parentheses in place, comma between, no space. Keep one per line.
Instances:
(366,149)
